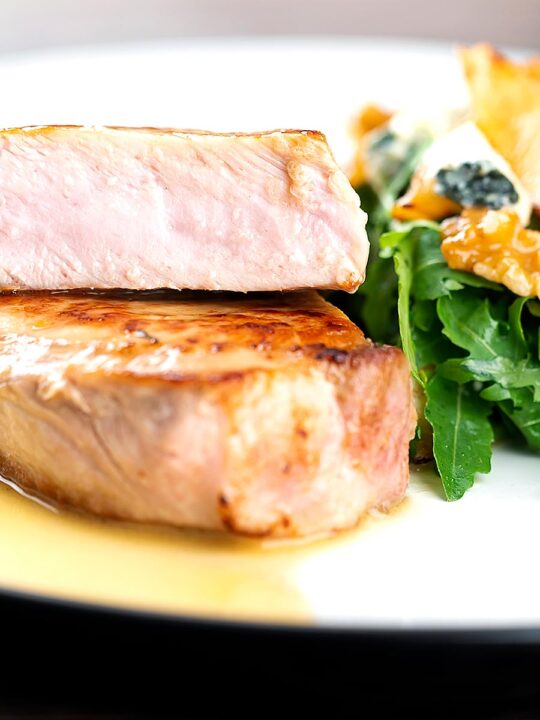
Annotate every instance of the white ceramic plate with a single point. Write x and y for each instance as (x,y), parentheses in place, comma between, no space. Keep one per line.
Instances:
(428,564)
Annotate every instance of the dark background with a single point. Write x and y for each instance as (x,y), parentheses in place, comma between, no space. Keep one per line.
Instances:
(61,661)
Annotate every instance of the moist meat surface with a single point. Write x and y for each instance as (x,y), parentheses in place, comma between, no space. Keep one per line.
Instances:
(265,415)
(143,208)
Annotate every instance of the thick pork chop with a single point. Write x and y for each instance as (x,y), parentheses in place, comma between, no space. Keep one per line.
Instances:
(143,208)
(264,416)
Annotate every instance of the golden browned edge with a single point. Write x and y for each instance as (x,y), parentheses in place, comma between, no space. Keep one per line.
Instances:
(285,326)
(44,129)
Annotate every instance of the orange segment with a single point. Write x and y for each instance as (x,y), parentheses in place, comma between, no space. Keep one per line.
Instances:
(494,245)
(421,202)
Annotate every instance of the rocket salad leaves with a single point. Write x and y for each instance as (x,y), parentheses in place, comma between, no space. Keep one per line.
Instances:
(462,433)
(473,345)
(473,348)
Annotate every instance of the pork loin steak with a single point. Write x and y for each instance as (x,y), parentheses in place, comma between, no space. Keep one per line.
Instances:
(144,208)
(264,415)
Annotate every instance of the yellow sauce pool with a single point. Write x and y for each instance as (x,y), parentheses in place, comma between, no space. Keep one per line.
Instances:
(62,554)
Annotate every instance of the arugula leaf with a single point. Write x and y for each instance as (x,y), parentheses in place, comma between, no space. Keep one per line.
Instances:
(378,309)
(433,277)
(524,413)
(506,372)
(390,242)
(430,348)
(424,315)
(495,393)
(519,342)
(469,324)
(462,433)
(402,245)
(403,262)
(452,369)
(498,348)
(475,281)
(533,306)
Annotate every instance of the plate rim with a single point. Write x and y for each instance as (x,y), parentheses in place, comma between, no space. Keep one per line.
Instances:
(428,636)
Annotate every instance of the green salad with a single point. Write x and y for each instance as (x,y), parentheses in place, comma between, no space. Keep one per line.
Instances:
(472,344)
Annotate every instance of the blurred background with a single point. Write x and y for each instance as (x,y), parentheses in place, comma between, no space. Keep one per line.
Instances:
(242,64)
(27,24)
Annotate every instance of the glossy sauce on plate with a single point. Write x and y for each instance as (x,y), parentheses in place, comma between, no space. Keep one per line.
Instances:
(62,554)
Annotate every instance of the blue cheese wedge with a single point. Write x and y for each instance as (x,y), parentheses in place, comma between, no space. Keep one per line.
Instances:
(462,170)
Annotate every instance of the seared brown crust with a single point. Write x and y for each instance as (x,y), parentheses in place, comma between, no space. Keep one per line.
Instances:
(41,129)
(266,415)
(265,329)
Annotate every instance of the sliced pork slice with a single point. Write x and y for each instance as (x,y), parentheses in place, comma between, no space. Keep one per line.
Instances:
(144,208)
(263,415)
